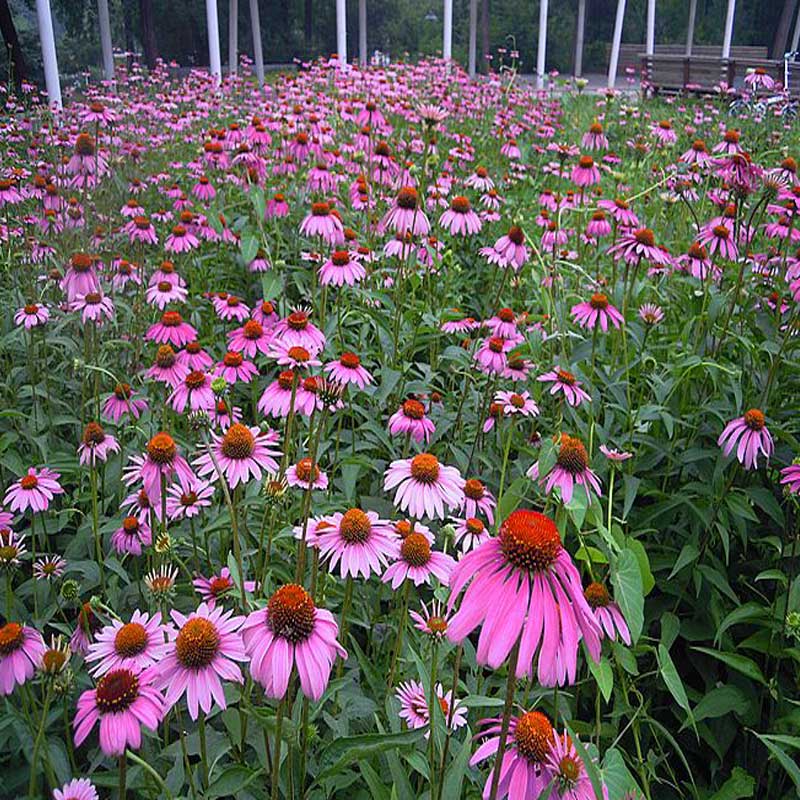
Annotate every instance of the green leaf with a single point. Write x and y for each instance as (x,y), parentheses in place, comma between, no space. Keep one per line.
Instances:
(740,785)
(746,613)
(742,664)
(786,761)
(232,780)
(674,682)
(627,582)
(687,555)
(648,581)
(376,784)
(604,675)
(271,284)
(512,497)
(249,248)
(616,776)
(719,701)
(454,777)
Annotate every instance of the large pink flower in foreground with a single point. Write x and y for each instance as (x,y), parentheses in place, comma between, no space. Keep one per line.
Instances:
(241,454)
(524,586)
(292,632)
(203,654)
(33,490)
(425,487)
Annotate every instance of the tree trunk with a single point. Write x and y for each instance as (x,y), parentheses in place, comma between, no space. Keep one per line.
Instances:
(782,31)
(308,22)
(484,65)
(149,43)
(11,39)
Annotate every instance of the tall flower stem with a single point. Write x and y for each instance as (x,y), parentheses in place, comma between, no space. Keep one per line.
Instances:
(511,685)
(38,743)
(301,554)
(343,623)
(449,722)
(96,526)
(203,750)
(506,451)
(401,628)
(276,762)
(432,703)
(123,776)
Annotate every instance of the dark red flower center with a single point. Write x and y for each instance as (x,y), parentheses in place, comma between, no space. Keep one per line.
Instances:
(116,691)
(197,643)
(530,540)
(291,613)
(415,550)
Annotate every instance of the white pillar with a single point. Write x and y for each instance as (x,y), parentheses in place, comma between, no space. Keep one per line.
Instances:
(541,48)
(726,42)
(650,44)
(49,59)
(579,38)
(258,54)
(105,39)
(690,29)
(615,43)
(447,42)
(212,23)
(796,34)
(362,32)
(233,36)
(341,31)
(473,37)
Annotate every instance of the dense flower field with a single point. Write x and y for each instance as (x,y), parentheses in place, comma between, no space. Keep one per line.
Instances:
(387,435)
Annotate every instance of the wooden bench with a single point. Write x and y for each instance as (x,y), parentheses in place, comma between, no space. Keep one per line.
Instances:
(674,73)
(631,55)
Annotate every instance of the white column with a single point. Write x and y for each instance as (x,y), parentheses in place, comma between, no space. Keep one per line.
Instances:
(447,42)
(258,54)
(341,31)
(212,23)
(49,59)
(541,48)
(233,36)
(579,38)
(650,44)
(726,42)
(796,34)
(105,39)
(690,29)
(615,43)
(473,38)
(362,32)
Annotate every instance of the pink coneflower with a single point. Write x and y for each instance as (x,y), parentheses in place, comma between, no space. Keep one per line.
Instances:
(503,324)
(48,568)
(637,244)
(462,325)
(12,547)
(719,239)
(76,789)
(598,225)
(292,632)
(470,533)
(749,435)
(514,403)
(171,330)
(163,293)
(121,702)
(596,309)
(571,467)
(241,453)
(123,400)
(566,773)
(293,356)
(607,613)
(347,369)
(133,645)
(567,383)
(187,502)
(615,455)
(218,586)
(585,172)
(460,219)
(229,307)
(131,536)
(193,357)
(81,277)
(297,329)
(340,269)
(528,745)
(161,458)
(790,477)
(96,445)
(594,138)
(233,368)
(31,316)
(34,490)
(651,314)
(276,207)
(511,248)
(433,619)
(321,221)
(358,541)
(425,487)
(698,264)
(167,368)
(276,399)
(252,338)
(663,132)
(203,190)
(140,229)
(478,499)
(418,562)
(87,625)
(94,307)
(181,240)
(405,215)
(492,354)
(416,713)
(202,654)
(524,586)
(193,391)
(265,314)
(410,420)
(21,651)
(306,475)
(759,78)
(620,212)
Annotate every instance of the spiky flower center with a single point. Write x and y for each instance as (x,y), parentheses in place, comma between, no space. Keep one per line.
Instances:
(415,550)
(131,639)
(572,455)
(597,595)
(474,489)
(340,258)
(252,330)
(298,354)
(286,379)
(437,625)
(598,301)
(291,613)
(93,434)
(29,482)
(195,380)
(569,770)
(754,419)
(11,638)
(721,231)
(197,643)
(350,360)
(238,442)
(171,319)
(565,377)
(297,320)
(320,209)
(162,448)
(533,736)
(496,344)
(131,526)
(425,468)
(355,526)
(460,204)
(474,526)
(84,145)
(516,235)
(219,585)
(413,409)
(233,359)
(306,471)
(517,400)
(586,162)
(165,357)
(116,691)
(530,540)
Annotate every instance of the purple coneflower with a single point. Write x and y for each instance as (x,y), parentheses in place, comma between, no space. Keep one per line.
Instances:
(596,310)
(21,651)
(417,562)
(749,435)
(425,487)
(358,541)
(96,445)
(562,381)
(571,467)
(33,490)
(240,454)
(133,645)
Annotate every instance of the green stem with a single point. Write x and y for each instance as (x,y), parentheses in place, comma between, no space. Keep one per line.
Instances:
(203,750)
(501,748)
